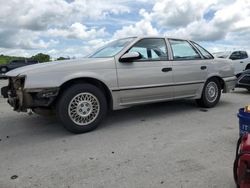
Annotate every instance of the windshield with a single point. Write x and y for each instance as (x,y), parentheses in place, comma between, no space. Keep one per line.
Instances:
(112,48)
(222,54)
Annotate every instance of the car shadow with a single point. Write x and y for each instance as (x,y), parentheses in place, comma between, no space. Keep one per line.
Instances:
(21,129)
(153,112)
(241,91)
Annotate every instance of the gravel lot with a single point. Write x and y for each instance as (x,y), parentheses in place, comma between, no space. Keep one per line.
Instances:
(172,144)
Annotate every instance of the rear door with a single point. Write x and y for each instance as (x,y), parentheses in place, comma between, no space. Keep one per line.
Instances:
(149,78)
(189,68)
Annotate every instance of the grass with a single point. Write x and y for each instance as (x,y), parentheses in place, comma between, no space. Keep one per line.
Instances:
(6,59)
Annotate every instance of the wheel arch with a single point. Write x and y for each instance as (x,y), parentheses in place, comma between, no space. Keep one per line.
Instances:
(248,66)
(93,81)
(220,79)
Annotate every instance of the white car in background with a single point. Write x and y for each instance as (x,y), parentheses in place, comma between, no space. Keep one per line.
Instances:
(241,60)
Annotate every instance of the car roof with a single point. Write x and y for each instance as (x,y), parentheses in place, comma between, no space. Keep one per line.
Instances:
(159,36)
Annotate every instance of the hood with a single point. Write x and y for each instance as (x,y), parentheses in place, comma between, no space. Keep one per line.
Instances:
(58,66)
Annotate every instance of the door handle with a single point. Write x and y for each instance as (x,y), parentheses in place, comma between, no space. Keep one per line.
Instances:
(166,69)
(203,67)
(242,62)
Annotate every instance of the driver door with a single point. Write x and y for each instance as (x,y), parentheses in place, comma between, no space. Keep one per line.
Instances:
(149,78)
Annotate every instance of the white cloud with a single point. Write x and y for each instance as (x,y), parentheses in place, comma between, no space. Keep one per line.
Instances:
(179,13)
(15,52)
(77,31)
(143,27)
(39,15)
(226,20)
(30,26)
(26,22)
(23,40)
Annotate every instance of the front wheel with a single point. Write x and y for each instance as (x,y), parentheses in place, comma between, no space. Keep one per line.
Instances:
(81,108)
(4,69)
(211,94)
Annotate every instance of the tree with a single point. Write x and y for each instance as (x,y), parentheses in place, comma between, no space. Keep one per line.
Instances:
(63,58)
(41,57)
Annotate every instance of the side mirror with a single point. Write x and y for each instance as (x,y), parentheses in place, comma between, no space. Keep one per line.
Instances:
(130,57)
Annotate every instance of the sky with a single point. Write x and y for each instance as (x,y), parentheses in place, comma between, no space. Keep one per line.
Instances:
(75,28)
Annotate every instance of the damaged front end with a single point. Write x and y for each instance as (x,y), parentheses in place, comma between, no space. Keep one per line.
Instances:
(22,99)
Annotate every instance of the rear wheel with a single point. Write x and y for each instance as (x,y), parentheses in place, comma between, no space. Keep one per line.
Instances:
(211,94)
(81,108)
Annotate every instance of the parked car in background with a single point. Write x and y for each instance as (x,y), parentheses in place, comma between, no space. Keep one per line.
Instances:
(16,64)
(125,72)
(241,59)
(244,80)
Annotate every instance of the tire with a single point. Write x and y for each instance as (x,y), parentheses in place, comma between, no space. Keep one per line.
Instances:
(4,69)
(211,94)
(81,108)
(247,67)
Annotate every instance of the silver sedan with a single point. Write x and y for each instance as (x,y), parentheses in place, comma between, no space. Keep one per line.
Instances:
(123,73)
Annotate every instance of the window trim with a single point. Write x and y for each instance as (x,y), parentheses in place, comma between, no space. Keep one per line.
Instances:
(169,39)
(194,43)
(149,60)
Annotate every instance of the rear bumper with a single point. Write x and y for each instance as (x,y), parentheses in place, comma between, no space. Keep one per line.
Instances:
(230,83)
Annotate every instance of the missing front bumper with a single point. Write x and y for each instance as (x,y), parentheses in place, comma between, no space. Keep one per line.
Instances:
(21,99)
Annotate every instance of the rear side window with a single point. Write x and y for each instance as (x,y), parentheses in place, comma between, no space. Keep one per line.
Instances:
(151,49)
(182,50)
(204,52)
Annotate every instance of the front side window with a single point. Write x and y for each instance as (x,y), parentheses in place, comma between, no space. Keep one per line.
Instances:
(112,48)
(182,50)
(151,49)
(204,52)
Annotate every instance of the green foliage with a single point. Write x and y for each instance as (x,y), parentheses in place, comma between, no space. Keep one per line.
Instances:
(6,59)
(41,57)
(62,58)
